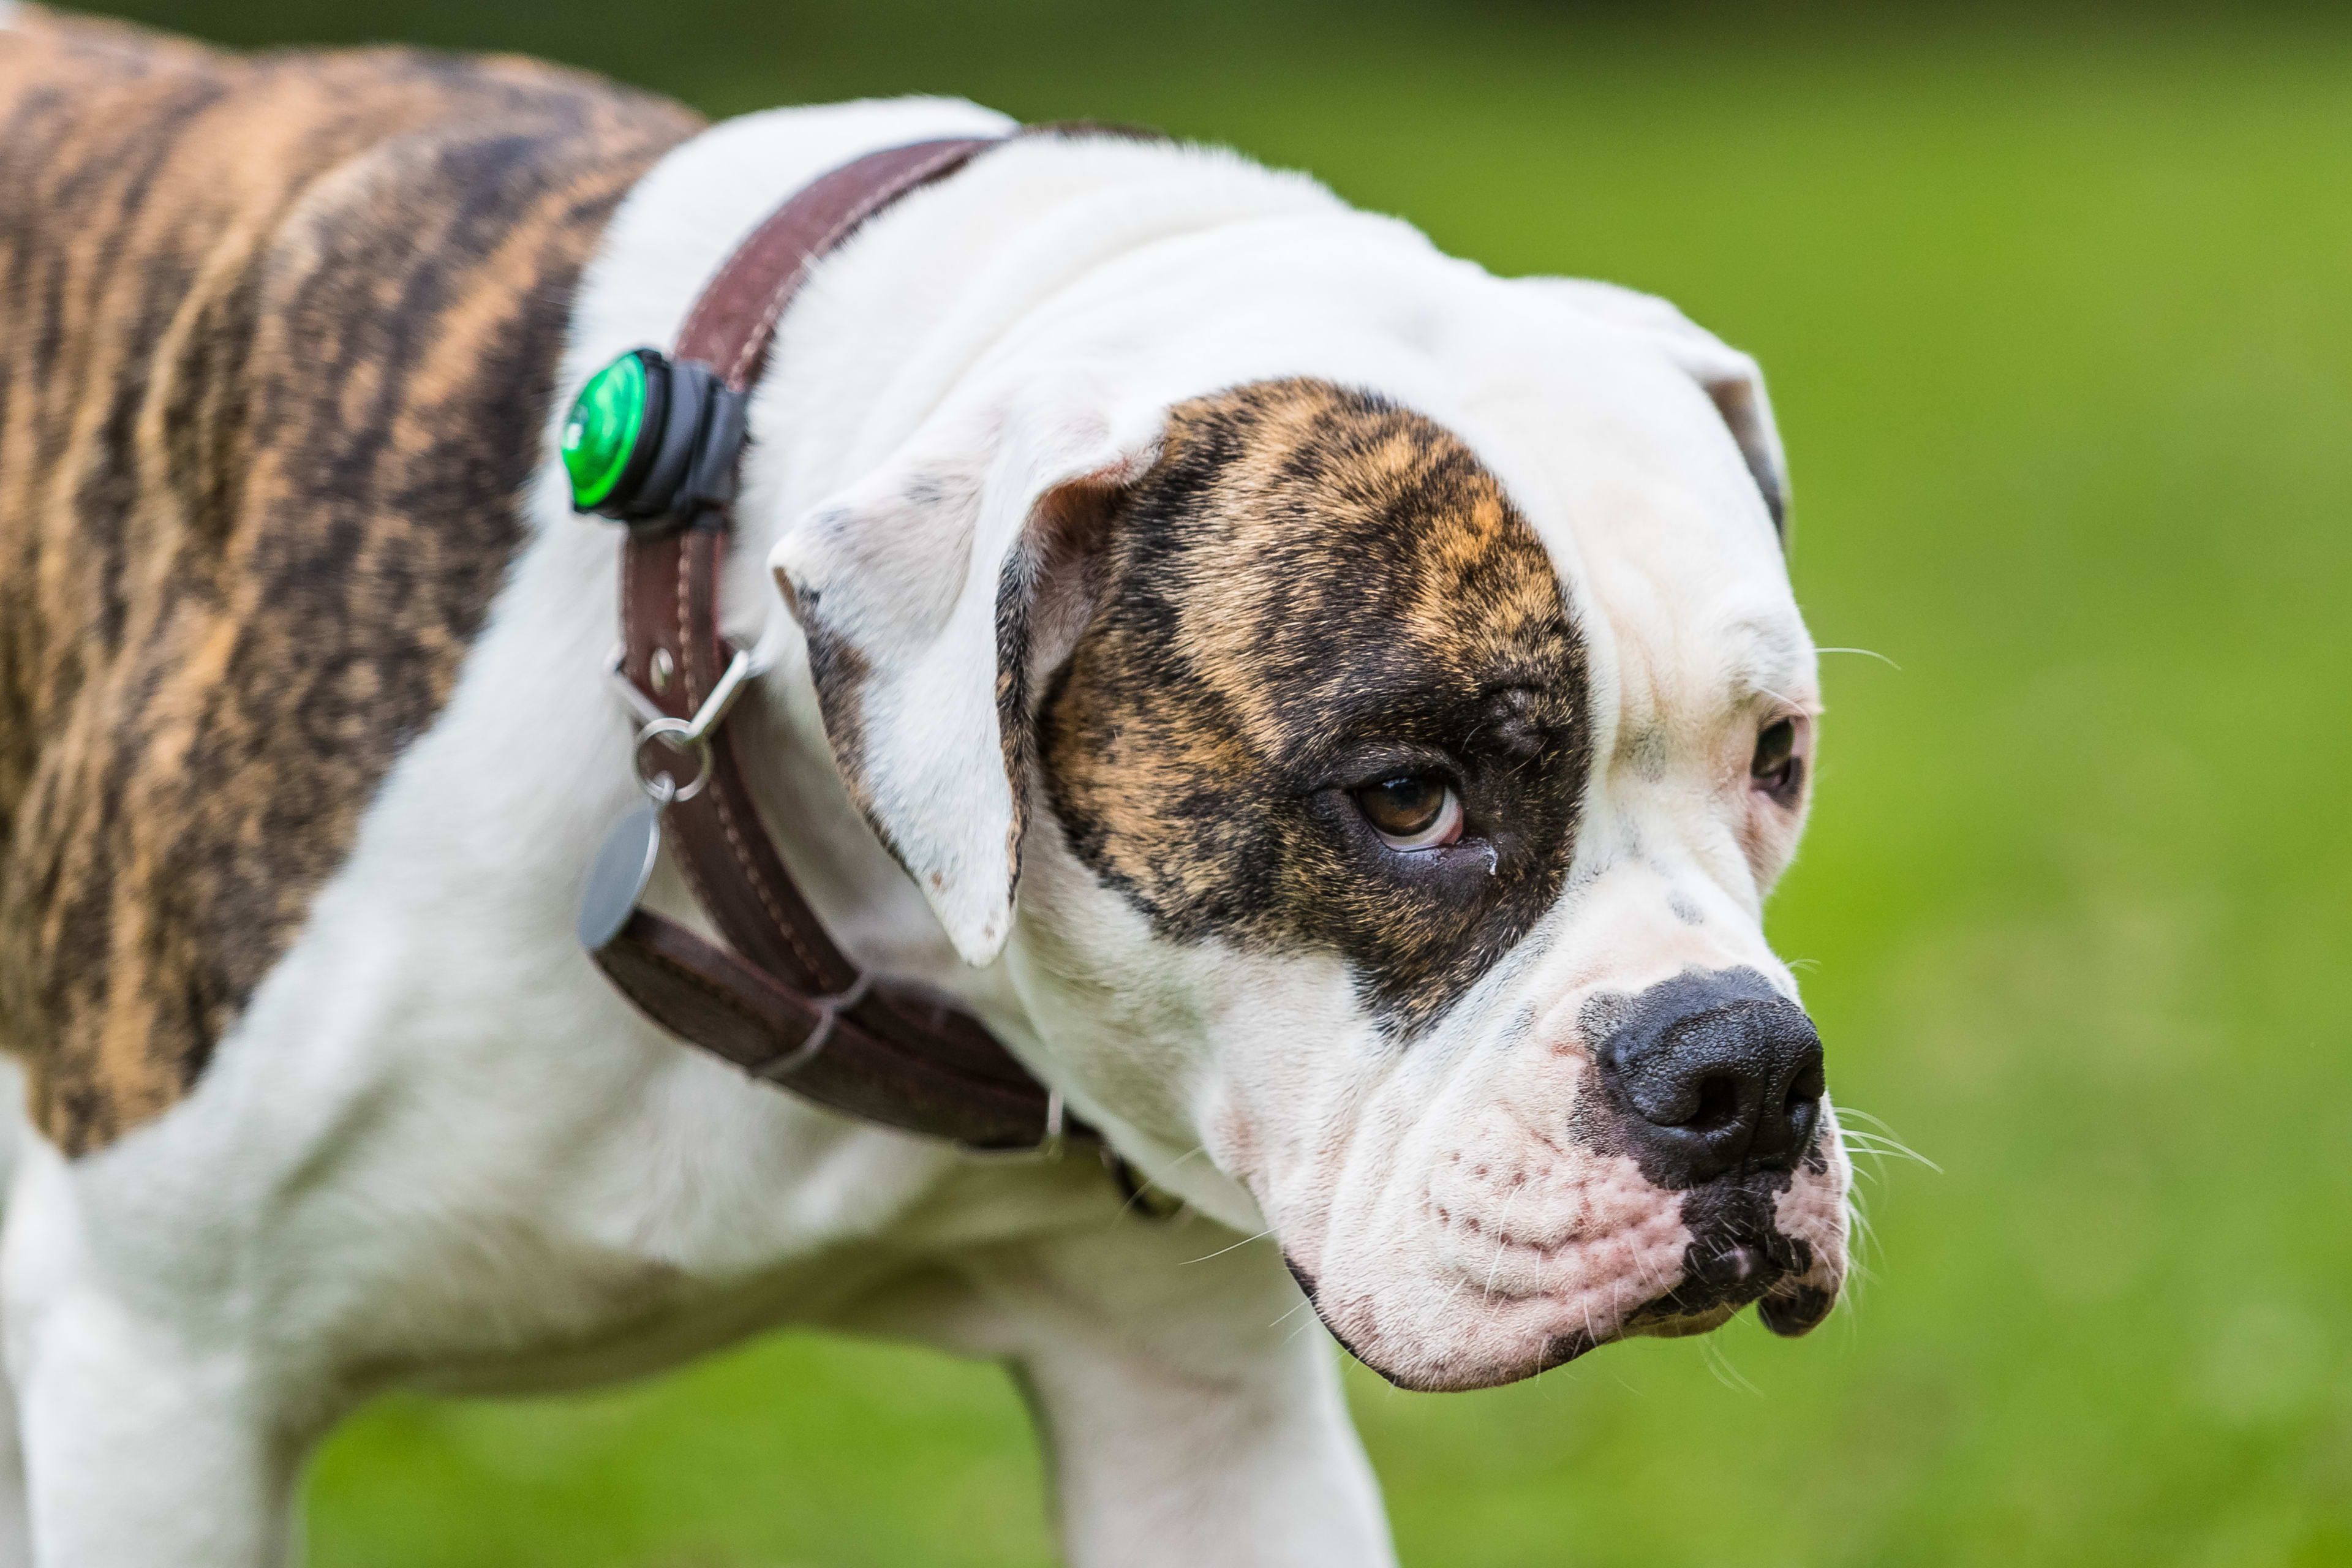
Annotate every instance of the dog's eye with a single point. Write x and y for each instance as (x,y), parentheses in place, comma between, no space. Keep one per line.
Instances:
(1412,813)
(1775,768)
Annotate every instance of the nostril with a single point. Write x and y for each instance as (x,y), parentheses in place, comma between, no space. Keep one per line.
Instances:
(1802,1098)
(1809,1085)
(1718,1104)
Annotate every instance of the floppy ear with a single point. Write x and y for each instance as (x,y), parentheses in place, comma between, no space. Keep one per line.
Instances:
(1730,378)
(937,595)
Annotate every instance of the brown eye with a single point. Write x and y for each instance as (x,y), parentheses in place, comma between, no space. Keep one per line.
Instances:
(1412,813)
(1776,768)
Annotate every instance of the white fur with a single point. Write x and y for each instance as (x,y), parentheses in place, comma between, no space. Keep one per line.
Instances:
(439,1149)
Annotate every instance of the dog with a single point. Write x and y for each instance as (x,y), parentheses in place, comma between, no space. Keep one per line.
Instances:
(1410,713)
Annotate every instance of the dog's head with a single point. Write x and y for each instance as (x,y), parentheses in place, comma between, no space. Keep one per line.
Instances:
(1391,763)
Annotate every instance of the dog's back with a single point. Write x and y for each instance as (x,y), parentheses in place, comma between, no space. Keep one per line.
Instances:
(276,337)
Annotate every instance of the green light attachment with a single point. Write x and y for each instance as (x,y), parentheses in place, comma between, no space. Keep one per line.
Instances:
(654,444)
(604,436)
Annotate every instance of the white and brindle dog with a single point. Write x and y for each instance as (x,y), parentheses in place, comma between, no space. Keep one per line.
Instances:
(1420,715)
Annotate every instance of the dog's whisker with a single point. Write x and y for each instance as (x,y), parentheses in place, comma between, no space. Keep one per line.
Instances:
(1136,1198)
(1193,1153)
(1880,1146)
(1311,1321)
(1719,1363)
(1845,1111)
(1429,1321)
(1502,1231)
(1237,1247)
(1866,653)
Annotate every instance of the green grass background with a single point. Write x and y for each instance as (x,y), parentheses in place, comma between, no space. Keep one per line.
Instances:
(2058,315)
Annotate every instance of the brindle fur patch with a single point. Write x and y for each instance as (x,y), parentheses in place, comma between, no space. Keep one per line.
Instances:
(1315,590)
(276,344)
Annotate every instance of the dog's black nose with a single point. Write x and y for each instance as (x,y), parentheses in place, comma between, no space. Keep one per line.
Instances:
(1720,1072)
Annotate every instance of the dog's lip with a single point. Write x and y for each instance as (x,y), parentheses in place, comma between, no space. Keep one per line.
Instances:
(1558,1349)
(1735,1265)
(1741,1272)
(1789,1302)
(1713,1287)
(1795,1309)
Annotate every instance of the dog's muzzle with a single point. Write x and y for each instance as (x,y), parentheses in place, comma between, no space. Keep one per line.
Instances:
(1715,1085)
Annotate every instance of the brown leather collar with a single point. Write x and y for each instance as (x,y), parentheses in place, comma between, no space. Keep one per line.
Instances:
(785,1005)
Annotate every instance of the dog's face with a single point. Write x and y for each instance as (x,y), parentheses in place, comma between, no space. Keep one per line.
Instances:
(1398,858)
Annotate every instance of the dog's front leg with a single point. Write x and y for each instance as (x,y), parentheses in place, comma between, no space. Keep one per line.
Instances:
(145,1440)
(1188,1400)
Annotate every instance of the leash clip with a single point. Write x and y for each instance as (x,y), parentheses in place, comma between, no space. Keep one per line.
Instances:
(681,736)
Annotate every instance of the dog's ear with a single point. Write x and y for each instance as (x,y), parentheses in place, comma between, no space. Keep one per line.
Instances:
(1730,378)
(938,594)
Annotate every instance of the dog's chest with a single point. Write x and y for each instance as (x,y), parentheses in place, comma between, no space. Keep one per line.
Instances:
(277,340)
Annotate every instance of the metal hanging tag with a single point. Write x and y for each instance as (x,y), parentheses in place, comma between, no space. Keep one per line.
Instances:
(623,866)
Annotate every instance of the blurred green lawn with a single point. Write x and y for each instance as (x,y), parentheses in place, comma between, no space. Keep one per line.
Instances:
(2059,321)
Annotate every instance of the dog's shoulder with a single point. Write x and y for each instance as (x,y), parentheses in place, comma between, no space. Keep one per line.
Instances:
(278,338)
